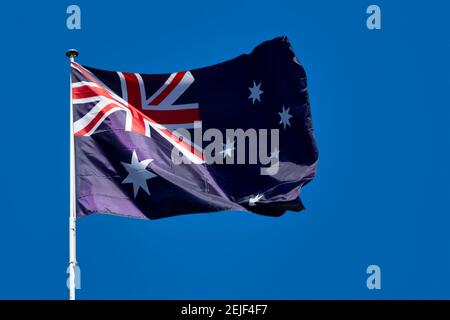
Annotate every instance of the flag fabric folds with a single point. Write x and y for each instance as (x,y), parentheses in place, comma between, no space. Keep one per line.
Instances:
(233,136)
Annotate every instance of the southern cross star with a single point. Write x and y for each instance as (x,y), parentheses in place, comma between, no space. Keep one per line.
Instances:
(284,117)
(228,148)
(253,200)
(275,153)
(137,173)
(255,92)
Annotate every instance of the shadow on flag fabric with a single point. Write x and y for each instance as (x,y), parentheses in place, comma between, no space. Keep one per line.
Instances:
(132,130)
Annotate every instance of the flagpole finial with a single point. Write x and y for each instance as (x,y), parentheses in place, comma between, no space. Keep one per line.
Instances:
(71,53)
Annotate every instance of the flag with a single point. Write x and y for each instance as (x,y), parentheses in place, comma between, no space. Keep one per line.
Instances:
(233,136)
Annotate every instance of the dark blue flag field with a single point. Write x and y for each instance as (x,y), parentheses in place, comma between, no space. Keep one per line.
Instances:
(233,136)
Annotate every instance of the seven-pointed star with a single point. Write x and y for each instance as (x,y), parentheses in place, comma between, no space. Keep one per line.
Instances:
(228,148)
(255,92)
(252,201)
(284,117)
(137,173)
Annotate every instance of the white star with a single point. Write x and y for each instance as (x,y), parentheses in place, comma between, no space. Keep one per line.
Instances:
(137,173)
(255,92)
(284,117)
(252,201)
(275,153)
(228,148)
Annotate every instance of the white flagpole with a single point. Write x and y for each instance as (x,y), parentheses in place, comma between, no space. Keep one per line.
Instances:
(72,53)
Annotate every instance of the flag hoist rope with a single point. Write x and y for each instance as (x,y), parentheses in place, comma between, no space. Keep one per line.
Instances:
(71,54)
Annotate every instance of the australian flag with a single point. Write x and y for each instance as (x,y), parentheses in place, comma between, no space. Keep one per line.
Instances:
(233,136)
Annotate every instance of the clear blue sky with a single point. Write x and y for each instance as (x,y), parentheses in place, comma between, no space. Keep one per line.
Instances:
(381,115)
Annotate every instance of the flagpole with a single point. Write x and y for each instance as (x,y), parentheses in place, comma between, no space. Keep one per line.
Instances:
(71,54)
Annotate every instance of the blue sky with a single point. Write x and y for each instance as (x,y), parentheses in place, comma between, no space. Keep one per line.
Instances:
(380,109)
